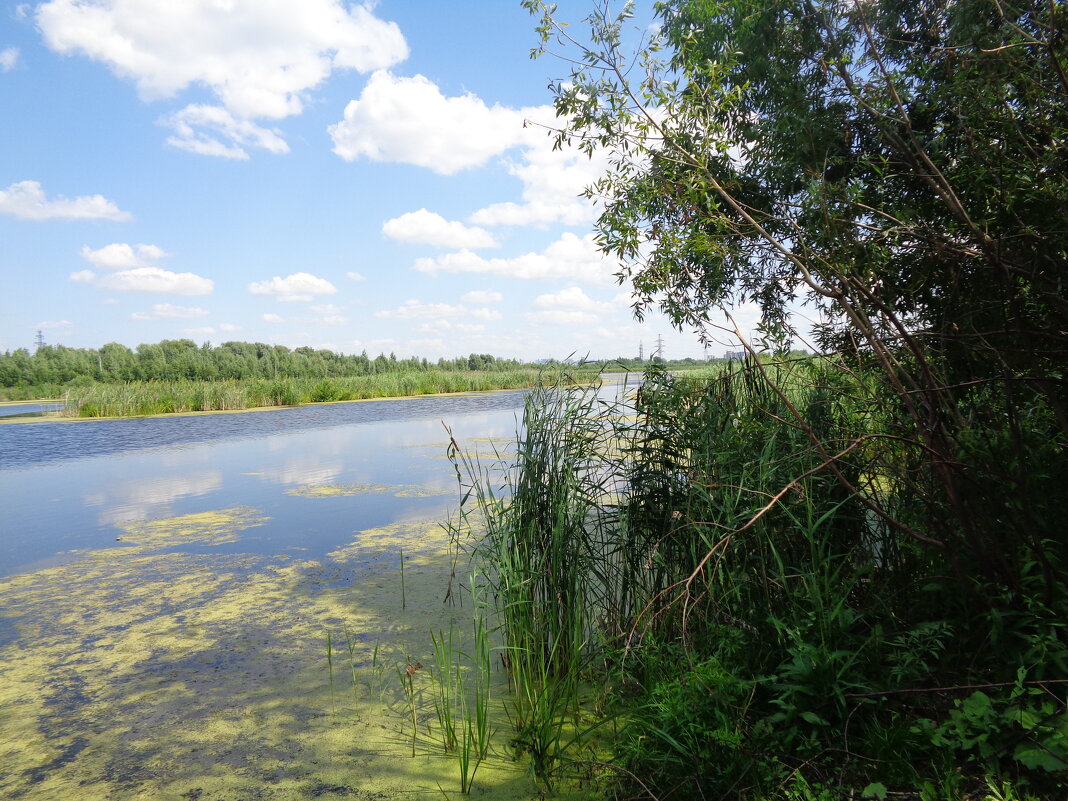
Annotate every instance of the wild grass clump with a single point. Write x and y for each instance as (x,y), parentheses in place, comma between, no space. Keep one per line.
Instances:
(170,397)
(747,562)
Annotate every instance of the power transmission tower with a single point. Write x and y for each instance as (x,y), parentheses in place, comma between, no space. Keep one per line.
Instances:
(641,351)
(38,340)
(659,352)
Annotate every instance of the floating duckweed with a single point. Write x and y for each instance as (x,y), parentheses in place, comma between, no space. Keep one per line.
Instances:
(345,490)
(178,675)
(201,528)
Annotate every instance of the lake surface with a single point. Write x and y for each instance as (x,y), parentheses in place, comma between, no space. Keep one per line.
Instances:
(20,409)
(218,607)
(66,485)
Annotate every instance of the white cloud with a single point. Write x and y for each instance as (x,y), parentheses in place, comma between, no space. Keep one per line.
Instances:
(482,296)
(50,324)
(564,317)
(259,58)
(295,287)
(409,120)
(354,276)
(168,311)
(83,277)
(334,319)
(229,327)
(574,299)
(272,318)
(469,328)
(204,331)
(27,201)
(119,255)
(196,128)
(427,228)
(569,307)
(570,257)
(153,279)
(441,312)
(432,346)
(327,308)
(9,57)
(415,310)
(553,182)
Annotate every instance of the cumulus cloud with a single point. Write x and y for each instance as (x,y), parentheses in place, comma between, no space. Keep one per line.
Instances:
(564,317)
(119,255)
(416,310)
(203,331)
(50,324)
(570,257)
(202,129)
(153,279)
(482,296)
(327,308)
(427,228)
(260,59)
(83,277)
(571,298)
(272,318)
(229,327)
(409,120)
(569,306)
(168,311)
(9,57)
(354,276)
(553,182)
(438,326)
(27,201)
(295,287)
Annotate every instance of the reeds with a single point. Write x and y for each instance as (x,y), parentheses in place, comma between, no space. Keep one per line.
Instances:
(171,397)
(461,683)
(544,557)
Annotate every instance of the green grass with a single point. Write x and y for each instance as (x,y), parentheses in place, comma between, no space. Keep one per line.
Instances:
(727,557)
(166,397)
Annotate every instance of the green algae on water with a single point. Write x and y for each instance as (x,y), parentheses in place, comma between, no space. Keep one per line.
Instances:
(347,490)
(171,675)
(201,528)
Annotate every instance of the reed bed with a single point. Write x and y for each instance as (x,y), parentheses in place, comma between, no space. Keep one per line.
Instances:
(174,397)
(711,586)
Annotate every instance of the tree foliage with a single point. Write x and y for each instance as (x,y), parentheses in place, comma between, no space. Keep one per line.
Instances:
(870,573)
(176,359)
(897,166)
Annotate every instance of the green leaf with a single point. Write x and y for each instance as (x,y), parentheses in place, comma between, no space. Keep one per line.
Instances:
(874,790)
(1033,757)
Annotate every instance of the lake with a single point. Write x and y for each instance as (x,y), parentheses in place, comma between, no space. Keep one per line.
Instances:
(213,606)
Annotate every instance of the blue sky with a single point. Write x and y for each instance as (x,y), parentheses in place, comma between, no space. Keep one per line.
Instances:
(299,172)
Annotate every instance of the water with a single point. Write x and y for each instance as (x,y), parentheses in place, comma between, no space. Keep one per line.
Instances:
(27,409)
(167,587)
(67,486)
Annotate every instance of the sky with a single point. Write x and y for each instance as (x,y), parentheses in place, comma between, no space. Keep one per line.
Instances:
(304,173)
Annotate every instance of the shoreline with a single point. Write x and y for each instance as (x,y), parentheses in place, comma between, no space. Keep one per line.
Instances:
(56,417)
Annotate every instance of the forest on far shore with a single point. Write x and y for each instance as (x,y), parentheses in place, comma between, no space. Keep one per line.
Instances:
(50,368)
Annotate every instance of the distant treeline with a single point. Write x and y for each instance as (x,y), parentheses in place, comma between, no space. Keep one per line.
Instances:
(183,359)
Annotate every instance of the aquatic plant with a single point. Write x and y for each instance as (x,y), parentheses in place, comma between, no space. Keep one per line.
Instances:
(171,397)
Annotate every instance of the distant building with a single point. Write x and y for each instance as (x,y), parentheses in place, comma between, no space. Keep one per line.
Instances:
(734,354)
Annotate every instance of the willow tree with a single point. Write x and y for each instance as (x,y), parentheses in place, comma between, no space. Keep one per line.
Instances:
(899,166)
